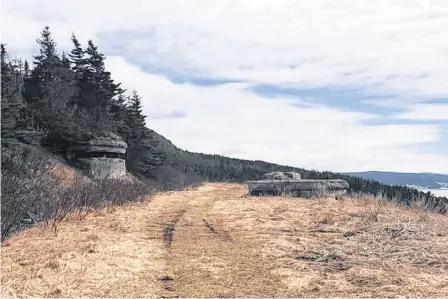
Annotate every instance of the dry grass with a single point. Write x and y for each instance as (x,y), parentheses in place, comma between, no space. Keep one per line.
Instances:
(64,175)
(224,243)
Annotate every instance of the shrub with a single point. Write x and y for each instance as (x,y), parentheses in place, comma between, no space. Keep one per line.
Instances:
(25,182)
(30,194)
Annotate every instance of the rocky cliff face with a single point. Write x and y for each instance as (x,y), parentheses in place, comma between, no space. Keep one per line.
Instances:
(100,158)
(104,168)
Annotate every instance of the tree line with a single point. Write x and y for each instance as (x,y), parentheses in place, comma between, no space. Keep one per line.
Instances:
(219,168)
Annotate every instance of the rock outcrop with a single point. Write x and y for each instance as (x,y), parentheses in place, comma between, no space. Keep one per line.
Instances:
(278,175)
(101,157)
(290,183)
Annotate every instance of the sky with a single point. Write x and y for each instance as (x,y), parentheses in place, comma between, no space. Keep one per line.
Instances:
(339,85)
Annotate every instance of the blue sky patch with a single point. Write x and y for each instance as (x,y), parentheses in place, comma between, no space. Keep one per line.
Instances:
(437,101)
(172,114)
(345,98)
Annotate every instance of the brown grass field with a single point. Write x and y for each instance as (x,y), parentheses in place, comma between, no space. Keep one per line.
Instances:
(215,241)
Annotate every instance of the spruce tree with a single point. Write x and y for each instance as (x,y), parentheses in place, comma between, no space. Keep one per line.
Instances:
(65,62)
(102,85)
(16,122)
(77,57)
(60,93)
(79,67)
(142,156)
(50,89)
(44,63)
(26,71)
(9,108)
(99,92)
(138,122)
(4,64)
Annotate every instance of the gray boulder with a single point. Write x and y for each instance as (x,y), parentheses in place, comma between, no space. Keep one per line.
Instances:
(109,144)
(101,157)
(278,175)
(290,183)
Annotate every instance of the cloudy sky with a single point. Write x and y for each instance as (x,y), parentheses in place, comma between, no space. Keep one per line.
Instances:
(342,85)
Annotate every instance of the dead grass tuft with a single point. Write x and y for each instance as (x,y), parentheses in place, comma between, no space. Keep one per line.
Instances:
(52,263)
(64,175)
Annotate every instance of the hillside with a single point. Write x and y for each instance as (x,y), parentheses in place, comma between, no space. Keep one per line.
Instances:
(423,180)
(215,241)
(217,168)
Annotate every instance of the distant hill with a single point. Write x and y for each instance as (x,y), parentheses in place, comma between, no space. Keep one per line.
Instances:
(423,180)
(217,168)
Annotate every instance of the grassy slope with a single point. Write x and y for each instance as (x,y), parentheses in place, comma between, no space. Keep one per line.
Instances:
(216,241)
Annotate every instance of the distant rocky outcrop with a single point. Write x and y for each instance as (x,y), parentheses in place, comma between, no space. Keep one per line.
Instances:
(278,175)
(100,157)
(290,183)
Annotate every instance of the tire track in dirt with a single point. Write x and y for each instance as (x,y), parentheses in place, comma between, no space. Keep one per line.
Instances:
(205,260)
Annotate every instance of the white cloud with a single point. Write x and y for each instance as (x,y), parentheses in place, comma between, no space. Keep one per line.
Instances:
(259,40)
(227,120)
(425,112)
(396,46)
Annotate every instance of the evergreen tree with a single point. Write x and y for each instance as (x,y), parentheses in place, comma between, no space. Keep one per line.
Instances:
(79,63)
(102,85)
(77,58)
(5,71)
(12,102)
(50,90)
(26,71)
(4,64)
(9,111)
(41,74)
(98,92)
(135,108)
(142,156)
(121,117)
(65,62)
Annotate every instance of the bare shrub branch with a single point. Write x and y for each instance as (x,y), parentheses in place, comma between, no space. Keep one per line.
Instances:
(30,194)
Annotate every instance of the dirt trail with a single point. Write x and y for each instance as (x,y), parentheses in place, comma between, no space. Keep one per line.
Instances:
(217,242)
(207,260)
